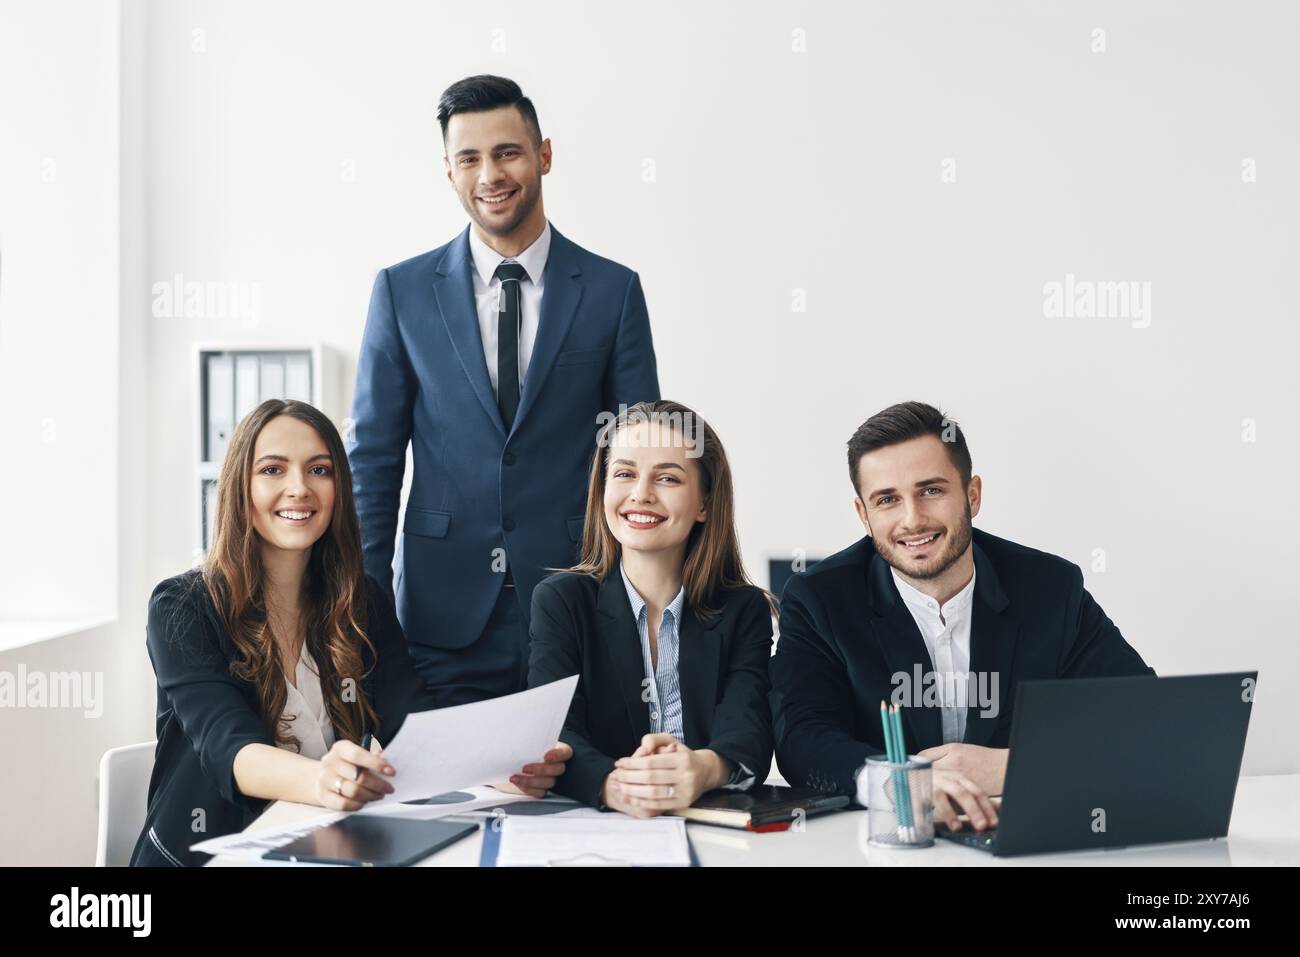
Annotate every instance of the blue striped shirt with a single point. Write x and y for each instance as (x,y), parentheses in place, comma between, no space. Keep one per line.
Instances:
(662,689)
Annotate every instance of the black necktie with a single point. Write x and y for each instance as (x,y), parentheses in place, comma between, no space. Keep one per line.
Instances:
(510,273)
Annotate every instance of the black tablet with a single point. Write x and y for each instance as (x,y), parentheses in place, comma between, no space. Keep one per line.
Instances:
(372,840)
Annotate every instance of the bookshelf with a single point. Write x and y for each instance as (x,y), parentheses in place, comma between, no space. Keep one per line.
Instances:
(231,379)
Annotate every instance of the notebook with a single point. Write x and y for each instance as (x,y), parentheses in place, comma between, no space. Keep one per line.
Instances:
(768,807)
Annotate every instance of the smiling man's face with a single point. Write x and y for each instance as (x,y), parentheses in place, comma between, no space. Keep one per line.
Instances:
(913,505)
(496,167)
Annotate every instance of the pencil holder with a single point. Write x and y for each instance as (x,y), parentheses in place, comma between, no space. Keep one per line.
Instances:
(899,800)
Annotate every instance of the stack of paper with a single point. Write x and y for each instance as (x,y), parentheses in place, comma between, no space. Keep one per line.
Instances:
(612,839)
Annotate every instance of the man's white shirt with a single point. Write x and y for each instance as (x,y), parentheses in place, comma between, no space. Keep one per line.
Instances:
(487,297)
(946,632)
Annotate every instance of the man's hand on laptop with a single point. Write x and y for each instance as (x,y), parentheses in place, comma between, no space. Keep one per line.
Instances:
(955,794)
(987,767)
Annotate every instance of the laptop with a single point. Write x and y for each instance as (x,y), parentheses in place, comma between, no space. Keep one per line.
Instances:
(1113,762)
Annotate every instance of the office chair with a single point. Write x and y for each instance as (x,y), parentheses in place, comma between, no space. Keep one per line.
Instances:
(123,798)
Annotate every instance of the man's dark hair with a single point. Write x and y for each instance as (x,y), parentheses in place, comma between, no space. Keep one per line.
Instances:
(909,420)
(477,94)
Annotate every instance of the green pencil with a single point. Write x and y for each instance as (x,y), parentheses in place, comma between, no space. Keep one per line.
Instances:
(888,732)
(891,755)
(900,750)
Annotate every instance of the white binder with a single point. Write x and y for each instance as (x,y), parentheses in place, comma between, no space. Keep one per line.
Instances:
(209,512)
(297,376)
(272,377)
(221,405)
(246,385)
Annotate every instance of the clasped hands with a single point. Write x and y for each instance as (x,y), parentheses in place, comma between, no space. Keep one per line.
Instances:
(662,775)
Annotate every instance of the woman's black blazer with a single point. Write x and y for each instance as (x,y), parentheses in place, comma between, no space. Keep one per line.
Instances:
(206,715)
(585,627)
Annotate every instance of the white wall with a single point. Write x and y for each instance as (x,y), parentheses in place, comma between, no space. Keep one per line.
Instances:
(819,171)
(47,813)
(58,311)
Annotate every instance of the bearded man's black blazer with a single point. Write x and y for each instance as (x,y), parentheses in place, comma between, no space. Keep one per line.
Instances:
(845,632)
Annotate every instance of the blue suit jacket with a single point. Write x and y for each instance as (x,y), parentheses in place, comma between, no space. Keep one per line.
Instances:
(422,379)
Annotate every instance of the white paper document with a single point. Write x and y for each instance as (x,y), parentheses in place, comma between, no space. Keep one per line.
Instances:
(480,743)
(580,840)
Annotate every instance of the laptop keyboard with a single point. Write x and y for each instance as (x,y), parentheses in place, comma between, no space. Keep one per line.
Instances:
(982,840)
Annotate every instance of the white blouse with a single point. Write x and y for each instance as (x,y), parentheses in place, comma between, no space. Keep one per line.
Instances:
(304,710)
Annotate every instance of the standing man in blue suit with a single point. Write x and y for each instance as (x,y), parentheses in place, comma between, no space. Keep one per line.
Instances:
(493,357)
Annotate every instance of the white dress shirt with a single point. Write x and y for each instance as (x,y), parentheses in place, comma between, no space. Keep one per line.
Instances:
(946,632)
(304,710)
(487,297)
(662,678)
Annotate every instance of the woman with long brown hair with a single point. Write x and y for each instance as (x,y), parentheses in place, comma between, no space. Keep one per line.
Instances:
(279,655)
(669,638)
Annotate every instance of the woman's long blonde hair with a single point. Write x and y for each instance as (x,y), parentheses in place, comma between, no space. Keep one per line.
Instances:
(713,561)
(334,586)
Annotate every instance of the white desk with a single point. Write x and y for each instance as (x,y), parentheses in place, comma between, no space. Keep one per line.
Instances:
(1265,830)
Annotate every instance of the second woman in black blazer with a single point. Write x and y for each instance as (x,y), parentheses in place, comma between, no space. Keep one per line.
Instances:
(670,640)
